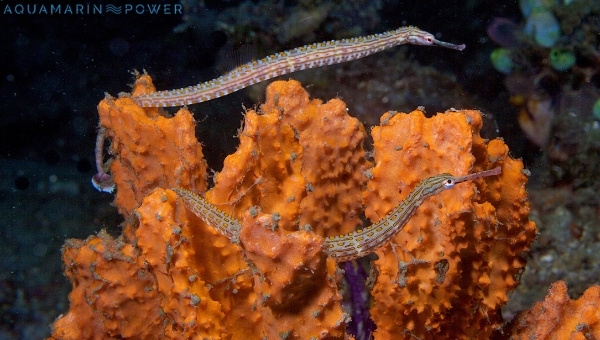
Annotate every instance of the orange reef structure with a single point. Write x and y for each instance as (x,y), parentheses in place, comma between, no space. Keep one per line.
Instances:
(558,317)
(300,174)
(450,270)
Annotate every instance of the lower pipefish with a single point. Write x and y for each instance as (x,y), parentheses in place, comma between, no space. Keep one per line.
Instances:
(357,243)
(300,58)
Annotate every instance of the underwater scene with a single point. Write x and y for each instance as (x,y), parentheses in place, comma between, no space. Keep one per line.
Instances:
(300,170)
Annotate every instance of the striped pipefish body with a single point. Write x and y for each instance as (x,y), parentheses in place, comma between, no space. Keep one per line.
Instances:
(357,243)
(300,58)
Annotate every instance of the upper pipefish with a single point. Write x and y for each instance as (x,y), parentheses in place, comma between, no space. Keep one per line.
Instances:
(300,58)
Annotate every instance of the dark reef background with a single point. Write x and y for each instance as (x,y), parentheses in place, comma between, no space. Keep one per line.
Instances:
(56,68)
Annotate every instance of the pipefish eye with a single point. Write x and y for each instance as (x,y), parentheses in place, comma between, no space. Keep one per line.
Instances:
(449,183)
(425,39)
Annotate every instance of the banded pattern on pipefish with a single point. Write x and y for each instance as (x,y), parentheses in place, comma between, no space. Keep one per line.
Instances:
(225,224)
(300,58)
(357,243)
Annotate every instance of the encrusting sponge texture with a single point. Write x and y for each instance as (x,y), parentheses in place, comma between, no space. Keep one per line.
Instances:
(300,174)
(446,275)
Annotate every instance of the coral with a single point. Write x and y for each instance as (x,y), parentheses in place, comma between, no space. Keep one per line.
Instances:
(450,270)
(300,164)
(299,159)
(503,32)
(561,59)
(501,60)
(357,299)
(555,60)
(297,282)
(559,317)
(541,23)
(115,282)
(535,118)
(140,162)
(543,26)
(300,174)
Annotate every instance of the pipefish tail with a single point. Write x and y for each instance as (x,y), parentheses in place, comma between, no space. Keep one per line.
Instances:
(301,58)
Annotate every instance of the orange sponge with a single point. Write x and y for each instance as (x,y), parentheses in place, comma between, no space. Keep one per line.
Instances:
(299,159)
(297,282)
(123,290)
(559,317)
(142,160)
(299,174)
(173,276)
(450,270)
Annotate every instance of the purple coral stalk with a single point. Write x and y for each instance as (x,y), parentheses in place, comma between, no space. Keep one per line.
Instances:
(361,325)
